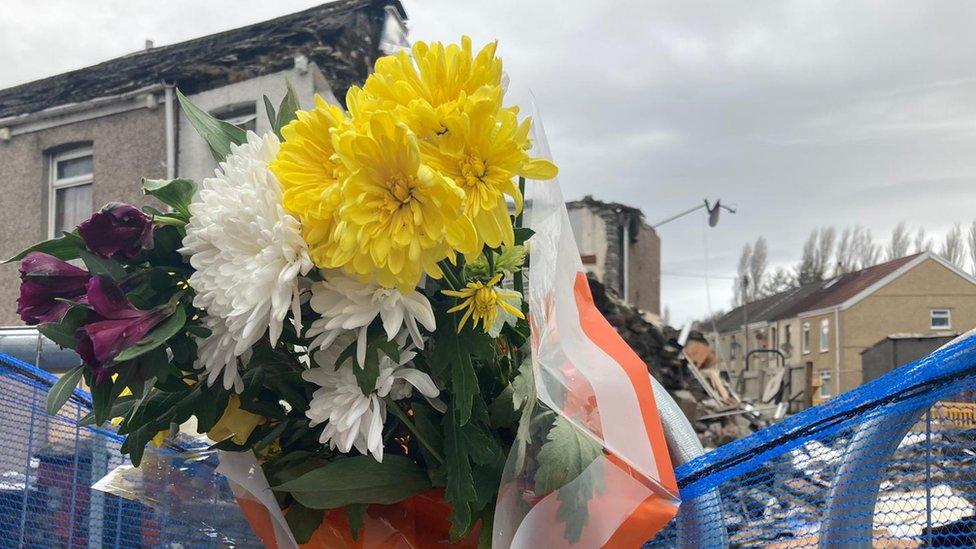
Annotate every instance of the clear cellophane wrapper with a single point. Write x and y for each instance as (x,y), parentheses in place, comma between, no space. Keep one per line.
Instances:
(587,375)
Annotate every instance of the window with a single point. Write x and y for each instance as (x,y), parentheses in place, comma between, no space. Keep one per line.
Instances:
(824,335)
(788,339)
(940,319)
(772,336)
(733,348)
(825,383)
(70,192)
(244,115)
(806,338)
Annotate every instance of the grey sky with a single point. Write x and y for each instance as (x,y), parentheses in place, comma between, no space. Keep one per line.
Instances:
(801,113)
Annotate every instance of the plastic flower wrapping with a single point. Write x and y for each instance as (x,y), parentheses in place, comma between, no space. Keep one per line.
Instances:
(358,316)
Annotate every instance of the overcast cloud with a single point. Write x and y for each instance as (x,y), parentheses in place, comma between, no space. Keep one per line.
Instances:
(801,113)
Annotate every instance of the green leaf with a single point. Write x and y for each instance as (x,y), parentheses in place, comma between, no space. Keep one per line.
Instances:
(102,266)
(358,479)
(170,327)
(63,333)
(175,193)
(287,109)
(522,234)
(460,480)
(452,358)
(121,407)
(65,247)
(62,389)
(564,456)
(102,399)
(272,118)
(217,133)
(369,373)
(303,521)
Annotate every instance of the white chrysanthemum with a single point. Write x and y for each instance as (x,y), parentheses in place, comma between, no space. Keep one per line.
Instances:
(345,303)
(247,253)
(356,420)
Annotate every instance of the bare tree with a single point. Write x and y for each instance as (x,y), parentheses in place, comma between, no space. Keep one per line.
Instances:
(921,242)
(845,261)
(898,245)
(825,249)
(866,252)
(817,253)
(805,270)
(972,245)
(757,267)
(779,281)
(740,291)
(953,247)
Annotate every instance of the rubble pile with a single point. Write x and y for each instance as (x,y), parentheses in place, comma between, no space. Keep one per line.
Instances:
(657,346)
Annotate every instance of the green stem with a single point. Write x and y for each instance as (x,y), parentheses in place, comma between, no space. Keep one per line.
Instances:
(450,276)
(405,419)
(490,258)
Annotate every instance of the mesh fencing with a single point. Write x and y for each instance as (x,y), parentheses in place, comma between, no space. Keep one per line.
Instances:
(48,465)
(889,464)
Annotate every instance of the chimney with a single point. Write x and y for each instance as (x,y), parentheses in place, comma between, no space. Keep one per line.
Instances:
(149,44)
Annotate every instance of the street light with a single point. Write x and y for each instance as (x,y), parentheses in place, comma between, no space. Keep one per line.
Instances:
(713,213)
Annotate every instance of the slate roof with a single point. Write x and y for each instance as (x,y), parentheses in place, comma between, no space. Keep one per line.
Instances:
(341,37)
(809,297)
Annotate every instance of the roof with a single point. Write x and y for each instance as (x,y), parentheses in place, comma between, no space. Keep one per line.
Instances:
(811,297)
(839,289)
(341,37)
(589,202)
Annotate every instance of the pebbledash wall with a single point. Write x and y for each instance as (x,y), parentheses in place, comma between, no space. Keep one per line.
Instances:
(125,147)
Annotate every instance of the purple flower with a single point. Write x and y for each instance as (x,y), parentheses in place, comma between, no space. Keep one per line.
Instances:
(119,231)
(118,326)
(44,278)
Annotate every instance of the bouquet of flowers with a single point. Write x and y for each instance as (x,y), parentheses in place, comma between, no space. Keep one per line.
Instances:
(343,304)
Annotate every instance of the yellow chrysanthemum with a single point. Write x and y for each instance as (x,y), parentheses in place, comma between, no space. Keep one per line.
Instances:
(311,176)
(398,217)
(482,302)
(483,150)
(431,84)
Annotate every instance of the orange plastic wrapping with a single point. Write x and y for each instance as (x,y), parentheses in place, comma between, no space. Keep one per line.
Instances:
(419,522)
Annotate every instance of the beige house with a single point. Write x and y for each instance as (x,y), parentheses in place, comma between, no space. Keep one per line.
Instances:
(75,141)
(827,324)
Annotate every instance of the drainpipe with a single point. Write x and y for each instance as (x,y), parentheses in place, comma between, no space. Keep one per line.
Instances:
(170,133)
(626,256)
(837,348)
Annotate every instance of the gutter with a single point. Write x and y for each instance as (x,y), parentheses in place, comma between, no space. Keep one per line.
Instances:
(170,132)
(62,110)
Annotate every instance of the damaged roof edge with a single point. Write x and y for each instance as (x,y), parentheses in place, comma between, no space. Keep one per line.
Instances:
(342,38)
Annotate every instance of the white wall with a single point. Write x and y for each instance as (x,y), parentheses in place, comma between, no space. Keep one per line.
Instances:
(591,238)
(194,160)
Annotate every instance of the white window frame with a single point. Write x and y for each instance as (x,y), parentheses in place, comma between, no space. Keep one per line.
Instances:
(824,335)
(805,338)
(826,377)
(948,317)
(55,184)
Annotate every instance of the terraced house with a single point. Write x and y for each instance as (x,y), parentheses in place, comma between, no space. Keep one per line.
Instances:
(72,142)
(828,324)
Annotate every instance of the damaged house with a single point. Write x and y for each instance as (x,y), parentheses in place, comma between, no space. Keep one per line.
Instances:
(72,142)
(620,250)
